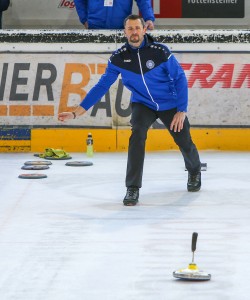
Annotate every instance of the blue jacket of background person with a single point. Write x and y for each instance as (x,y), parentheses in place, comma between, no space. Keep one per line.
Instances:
(99,16)
(152,74)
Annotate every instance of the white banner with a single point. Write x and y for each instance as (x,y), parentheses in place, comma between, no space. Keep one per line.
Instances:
(35,87)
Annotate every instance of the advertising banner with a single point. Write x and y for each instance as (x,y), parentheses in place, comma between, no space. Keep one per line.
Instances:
(35,87)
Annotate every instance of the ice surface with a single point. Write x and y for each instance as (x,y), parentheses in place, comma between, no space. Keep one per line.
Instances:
(69,237)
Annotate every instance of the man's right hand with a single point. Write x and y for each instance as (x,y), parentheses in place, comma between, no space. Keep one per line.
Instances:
(67,115)
(64,116)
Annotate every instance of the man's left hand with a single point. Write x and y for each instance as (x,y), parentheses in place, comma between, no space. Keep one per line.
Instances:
(177,122)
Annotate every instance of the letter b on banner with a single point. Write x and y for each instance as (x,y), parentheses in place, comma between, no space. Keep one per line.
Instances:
(73,88)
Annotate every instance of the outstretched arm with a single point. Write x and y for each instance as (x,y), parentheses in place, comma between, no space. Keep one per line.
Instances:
(94,95)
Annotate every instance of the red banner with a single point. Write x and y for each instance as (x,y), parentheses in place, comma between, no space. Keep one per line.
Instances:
(168,8)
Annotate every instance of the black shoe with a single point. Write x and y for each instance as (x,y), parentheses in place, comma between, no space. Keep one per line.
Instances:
(194,182)
(131,197)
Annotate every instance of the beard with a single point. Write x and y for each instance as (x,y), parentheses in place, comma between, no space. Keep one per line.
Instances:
(134,38)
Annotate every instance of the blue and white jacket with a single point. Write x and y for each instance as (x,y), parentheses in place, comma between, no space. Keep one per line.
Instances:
(151,73)
(110,17)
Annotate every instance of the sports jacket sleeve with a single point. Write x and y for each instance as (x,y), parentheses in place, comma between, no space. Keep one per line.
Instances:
(101,88)
(82,9)
(146,9)
(180,82)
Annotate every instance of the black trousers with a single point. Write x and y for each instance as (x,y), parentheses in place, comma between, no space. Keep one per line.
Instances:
(141,120)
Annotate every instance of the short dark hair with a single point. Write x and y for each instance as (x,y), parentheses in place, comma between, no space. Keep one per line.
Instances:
(134,17)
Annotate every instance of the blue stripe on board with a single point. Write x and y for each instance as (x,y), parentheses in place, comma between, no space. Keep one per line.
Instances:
(15,133)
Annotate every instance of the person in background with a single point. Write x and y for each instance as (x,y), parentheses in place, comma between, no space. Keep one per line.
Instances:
(110,14)
(159,90)
(4,4)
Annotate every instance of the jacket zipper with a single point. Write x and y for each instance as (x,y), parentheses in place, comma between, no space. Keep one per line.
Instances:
(143,79)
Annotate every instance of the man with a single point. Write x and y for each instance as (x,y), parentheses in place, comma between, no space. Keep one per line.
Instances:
(110,14)
(159,90)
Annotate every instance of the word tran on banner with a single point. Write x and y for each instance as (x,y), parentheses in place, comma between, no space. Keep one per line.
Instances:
(208,77)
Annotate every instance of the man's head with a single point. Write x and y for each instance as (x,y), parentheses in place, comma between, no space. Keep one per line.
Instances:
(134,30)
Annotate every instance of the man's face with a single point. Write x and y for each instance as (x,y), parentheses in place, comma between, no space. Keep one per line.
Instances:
(134,32)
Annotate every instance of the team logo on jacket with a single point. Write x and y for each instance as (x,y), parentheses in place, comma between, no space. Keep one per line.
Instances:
(150,64)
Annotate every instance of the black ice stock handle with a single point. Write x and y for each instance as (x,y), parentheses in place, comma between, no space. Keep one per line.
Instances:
(194,241)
